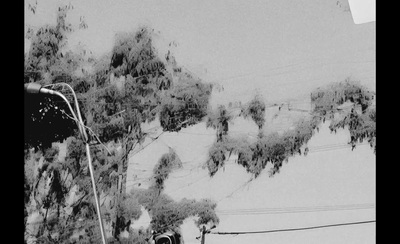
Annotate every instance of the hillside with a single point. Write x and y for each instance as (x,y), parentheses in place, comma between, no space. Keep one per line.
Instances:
(330,175)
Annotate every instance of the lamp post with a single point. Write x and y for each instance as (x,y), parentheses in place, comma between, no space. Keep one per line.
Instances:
(37,88)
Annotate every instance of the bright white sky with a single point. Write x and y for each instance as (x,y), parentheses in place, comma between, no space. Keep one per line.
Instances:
(281,48)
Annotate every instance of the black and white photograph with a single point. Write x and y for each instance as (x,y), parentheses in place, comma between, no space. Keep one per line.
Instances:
(199,122)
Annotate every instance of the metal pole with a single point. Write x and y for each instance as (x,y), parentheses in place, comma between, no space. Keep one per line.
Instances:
(85,136)
(86,139)
(95,193)
(203,235)
(36,88)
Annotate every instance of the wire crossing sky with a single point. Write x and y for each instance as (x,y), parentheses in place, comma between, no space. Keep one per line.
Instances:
(293,229)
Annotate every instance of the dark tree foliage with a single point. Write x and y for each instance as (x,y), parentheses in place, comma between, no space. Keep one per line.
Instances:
(100,114)
(254,157)
(221,150)
(217,157)
(101,72)
(362,125)
(276,149)
(256,110)
(127,209)
(113,108)
(135,56)
(46,46)
(45,119)
(184,104)
(327,99)
(166,214)
(163,168)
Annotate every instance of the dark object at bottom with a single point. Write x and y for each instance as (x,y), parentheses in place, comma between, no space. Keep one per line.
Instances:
(168,238)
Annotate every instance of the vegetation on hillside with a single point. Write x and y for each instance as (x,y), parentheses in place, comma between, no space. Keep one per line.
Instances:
(276,149)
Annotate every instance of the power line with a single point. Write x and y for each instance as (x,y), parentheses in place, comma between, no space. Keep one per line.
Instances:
(292,229)
(287,210)
(344,146)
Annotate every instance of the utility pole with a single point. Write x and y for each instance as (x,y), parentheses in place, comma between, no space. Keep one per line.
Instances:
(204,231)
(203,235)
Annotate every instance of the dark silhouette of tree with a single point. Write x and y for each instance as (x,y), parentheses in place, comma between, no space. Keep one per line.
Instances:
(276,149)
(255,110)
(185,103)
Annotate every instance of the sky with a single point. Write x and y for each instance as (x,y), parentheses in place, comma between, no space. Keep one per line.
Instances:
(280,48)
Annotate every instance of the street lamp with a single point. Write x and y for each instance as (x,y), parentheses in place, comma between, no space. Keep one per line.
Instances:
(35,88)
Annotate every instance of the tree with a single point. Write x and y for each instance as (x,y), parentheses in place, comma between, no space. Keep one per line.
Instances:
(219,120)
(185,104)
(47,43)
(165,165)
(256,110)
(276,149)
(45,63)
(362,125)
(134,54)
(115,112)
(113,115)
(166,214)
